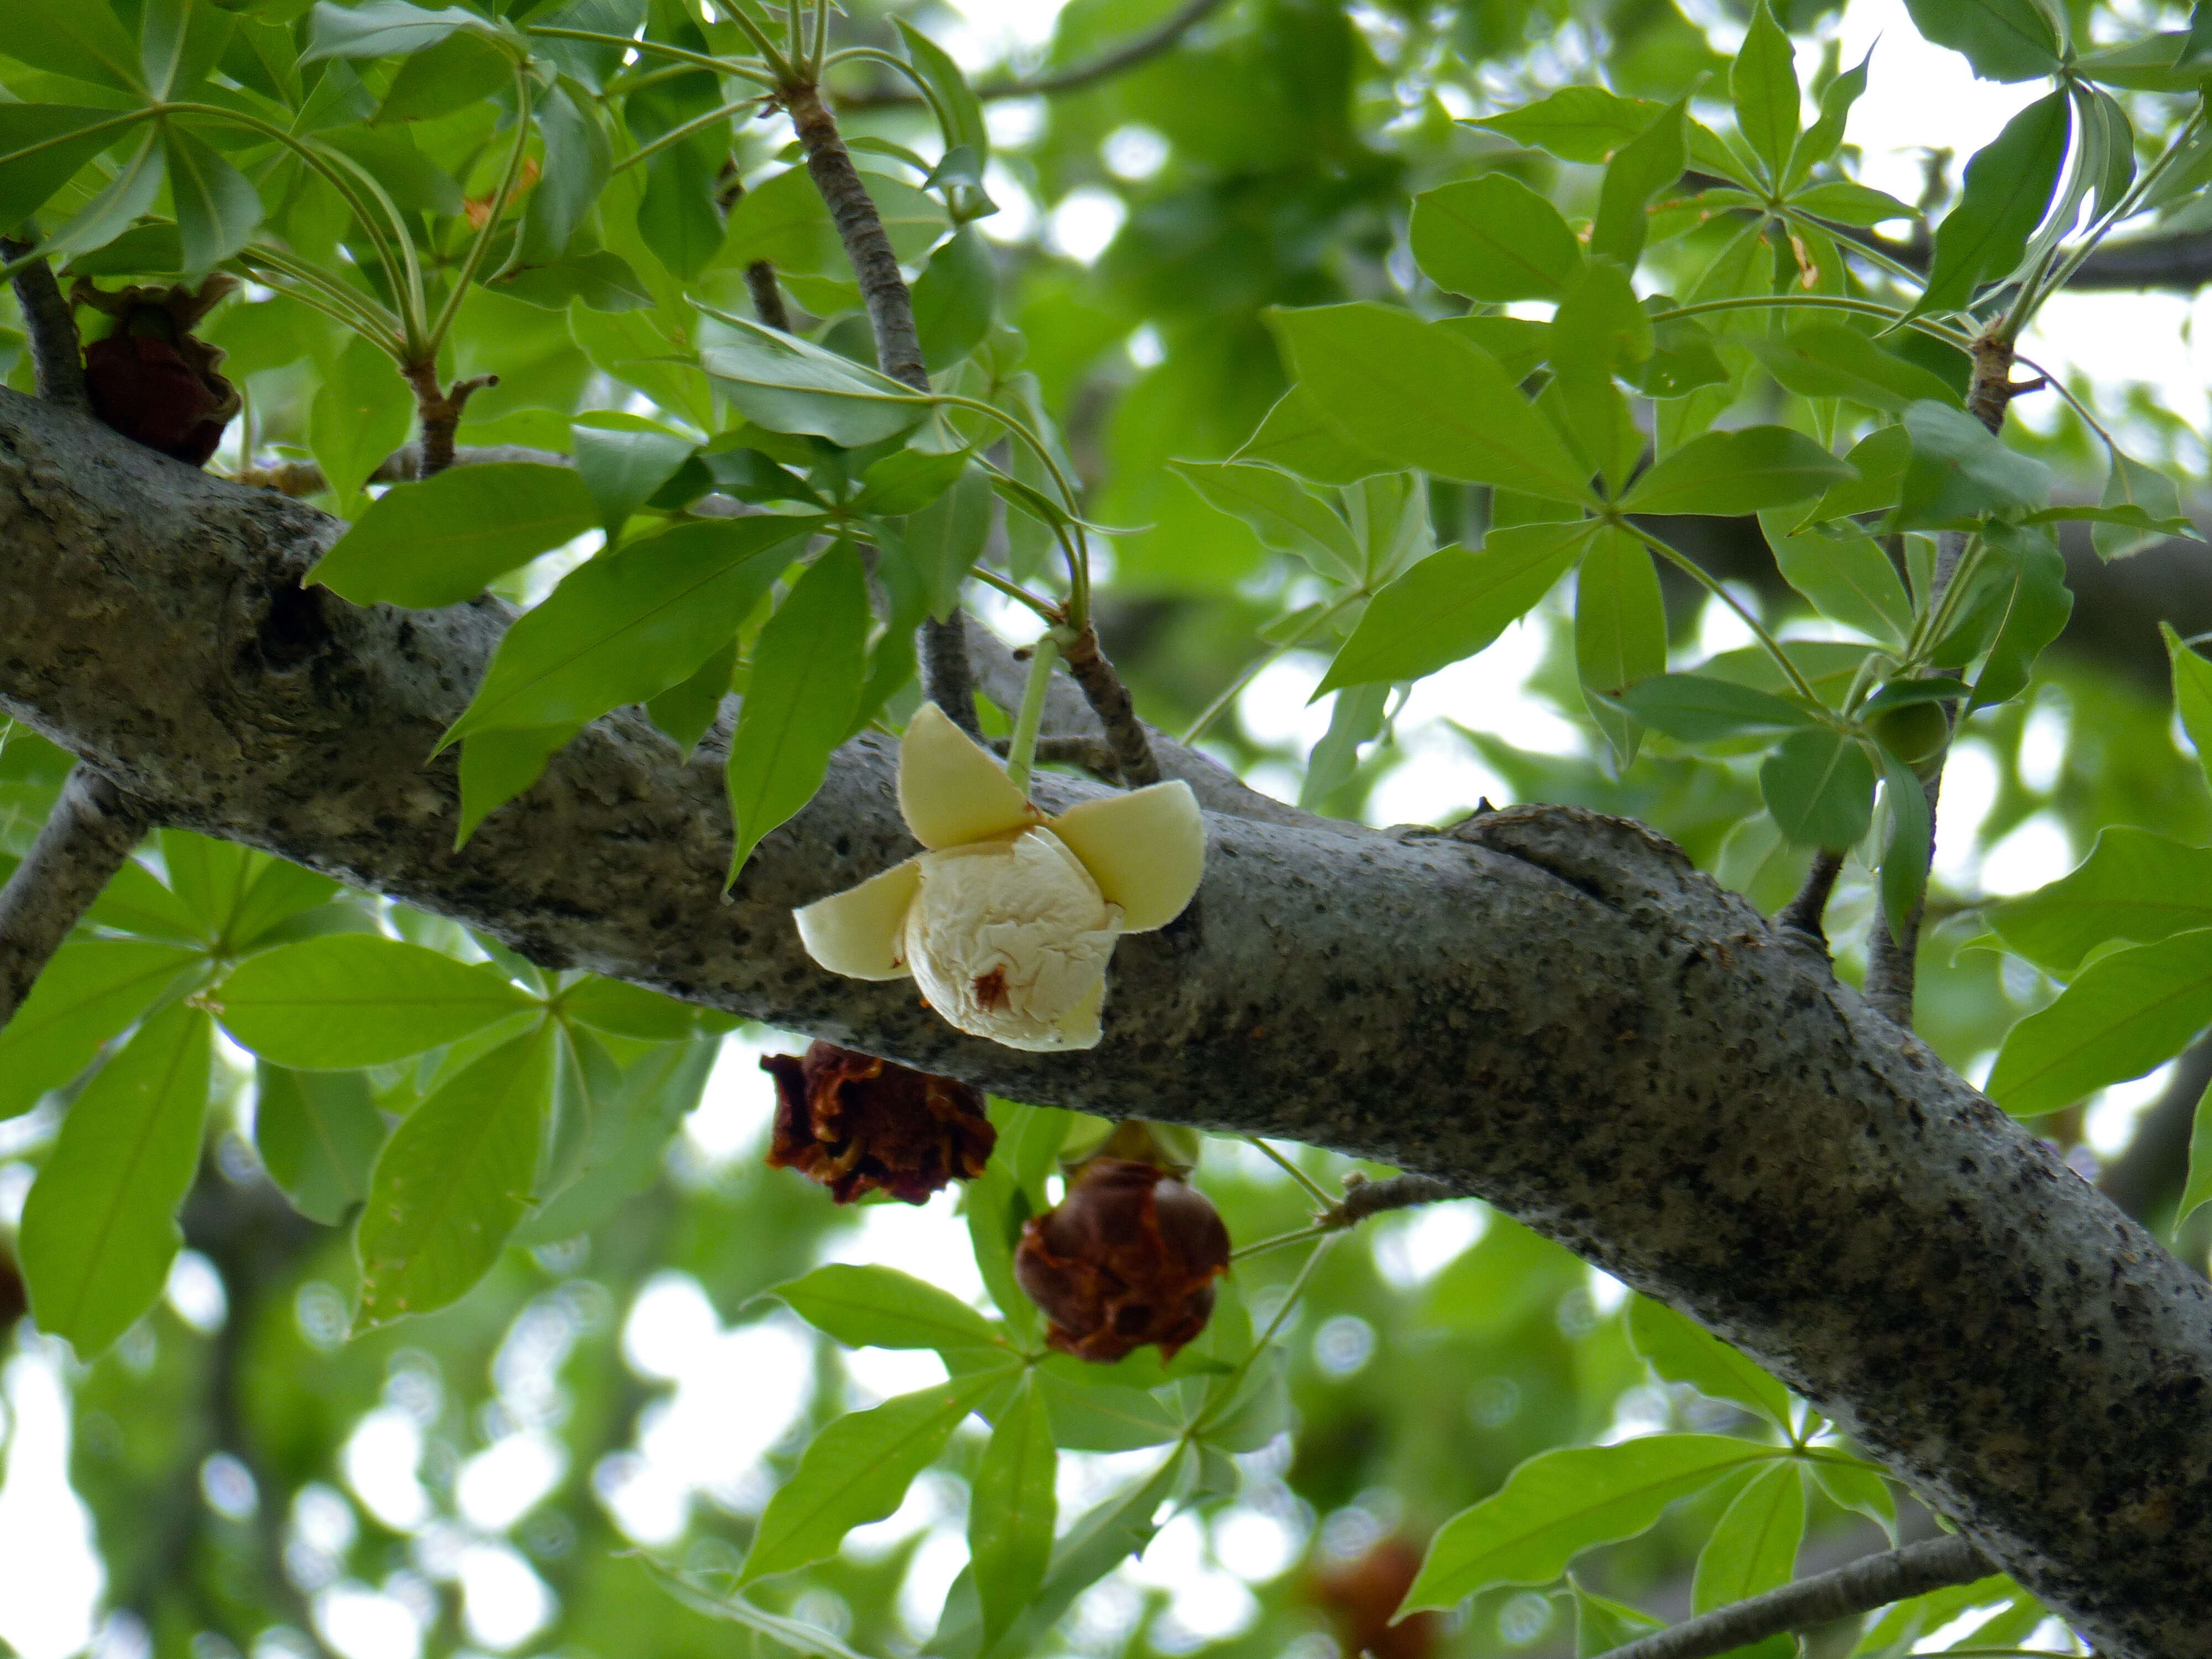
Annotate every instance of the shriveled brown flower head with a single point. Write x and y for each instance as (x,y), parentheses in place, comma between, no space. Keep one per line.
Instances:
(1362,1595)
(858,1125)
(1128,1257)
(152,379)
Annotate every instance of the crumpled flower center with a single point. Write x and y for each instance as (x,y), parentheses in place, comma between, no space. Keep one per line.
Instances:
(1008,937)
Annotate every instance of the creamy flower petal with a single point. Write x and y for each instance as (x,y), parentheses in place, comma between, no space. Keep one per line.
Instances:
(1078,1026)
(1145,849)
(861,932)
(1008,937)
(951,789)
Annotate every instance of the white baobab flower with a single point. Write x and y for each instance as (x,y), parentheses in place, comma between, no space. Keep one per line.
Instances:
(1007,919)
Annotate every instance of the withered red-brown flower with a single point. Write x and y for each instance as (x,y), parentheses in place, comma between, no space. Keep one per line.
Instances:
(1128,1257)
(858,1125)
(152,379)
(1362,1597)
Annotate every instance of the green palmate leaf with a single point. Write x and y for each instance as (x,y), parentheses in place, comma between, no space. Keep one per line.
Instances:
(1086,1417)
(1453,603)
(627,627)
(1425,397)
(795,1634)
(178,42)
(1880,458)
(131,192)
(1620,631)
(688,708)
(677,217)
(1601,1625)
(499,764)
(90,991)
(1521,344)
(1850,204)
(1282,513)
(218,207)
(1754,1549)
(1299,437)
(1011,1510)
(2008,190)
(789,384)
(83,41)
(438,541)
(1911,842)
(1960,469)
(577,159)
(955,298)
(2134,885)
(1684,357)
(41,147)
(382,29)
(1558,1503)
(319,1133)
(1847,578)
(2036,606)
(858,1469)
(1699,709)
(878,1307)
(2122,1014)
(1825,136)
(907,480)
(1764,85)
(100,1228)
(1734,472)
(807,673)
(1859,1488)
(2197,1190)
(1819,787)
(1680,1352)
(1355,719)
(621,1151)
(1647,164)
(959,113)
(452,1182)
(631,1011)
(2003,40)
(943,539)
(1575,124)
(2105,130)
(358,1000)
(1599,330)
(459,70)
(2131,484)
(1090,1549)
(2192,695)
(1493,238)
(361,413)
(623,466)
(1829,360)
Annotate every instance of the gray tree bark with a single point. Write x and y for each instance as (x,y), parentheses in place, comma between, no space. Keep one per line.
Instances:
(1549,1008)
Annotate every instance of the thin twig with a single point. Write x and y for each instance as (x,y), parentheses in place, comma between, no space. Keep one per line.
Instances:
(944,677)
(760,275)
(1872,1582)
(1127,54)
(56,354)
(1805,913)
(1314,1189)
(439,413)
(1110,699)
(87,837)
(1363,1198)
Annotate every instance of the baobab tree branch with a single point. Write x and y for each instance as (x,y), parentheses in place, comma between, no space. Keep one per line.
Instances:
(1872,1582)
(57,352)
(1546,1008)
(85,840)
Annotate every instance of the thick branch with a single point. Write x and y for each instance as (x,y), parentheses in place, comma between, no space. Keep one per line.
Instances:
(1874,1582)
(57,353)
(87,837)
(1549,1009)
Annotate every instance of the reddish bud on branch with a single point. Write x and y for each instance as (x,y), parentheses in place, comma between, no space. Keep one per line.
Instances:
(1128,1257)
(859,1124)
(152,379)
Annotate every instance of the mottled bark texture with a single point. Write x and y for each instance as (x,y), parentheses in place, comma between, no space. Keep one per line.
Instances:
(1859,1587)
(1548,1008)
(82,844)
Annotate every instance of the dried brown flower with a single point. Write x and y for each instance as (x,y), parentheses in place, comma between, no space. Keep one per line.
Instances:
(1362,1597)
(152,379)
(858,1125)
(1128,1257)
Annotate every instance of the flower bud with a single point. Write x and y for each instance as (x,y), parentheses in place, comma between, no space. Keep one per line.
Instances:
(858,1125)
(1128,1257)
(152,379)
